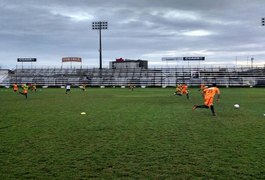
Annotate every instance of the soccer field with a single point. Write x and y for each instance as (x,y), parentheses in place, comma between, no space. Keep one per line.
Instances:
(141,134)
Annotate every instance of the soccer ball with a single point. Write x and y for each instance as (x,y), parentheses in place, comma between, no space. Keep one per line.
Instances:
(236,106)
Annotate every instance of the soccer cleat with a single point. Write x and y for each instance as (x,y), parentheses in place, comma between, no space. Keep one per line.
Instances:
(214,114)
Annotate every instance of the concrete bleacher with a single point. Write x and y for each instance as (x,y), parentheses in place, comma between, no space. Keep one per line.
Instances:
(159,77)
(3,76)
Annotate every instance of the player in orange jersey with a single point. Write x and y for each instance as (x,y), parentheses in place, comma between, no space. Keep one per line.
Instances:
(209,94)
(15,87)
(184,90)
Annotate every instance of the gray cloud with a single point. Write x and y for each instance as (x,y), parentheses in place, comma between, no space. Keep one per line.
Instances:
(220,30)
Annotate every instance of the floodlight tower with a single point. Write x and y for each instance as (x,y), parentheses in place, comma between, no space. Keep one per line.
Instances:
(98,25)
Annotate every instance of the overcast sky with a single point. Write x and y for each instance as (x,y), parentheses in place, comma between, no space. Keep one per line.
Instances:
(223,31)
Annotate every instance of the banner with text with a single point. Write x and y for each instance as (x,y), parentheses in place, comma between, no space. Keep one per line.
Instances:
(193,58)
(26,59)
(183,58)
(71,59)
(172,58)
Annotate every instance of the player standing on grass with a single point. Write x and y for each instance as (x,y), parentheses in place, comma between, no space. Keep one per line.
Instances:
(83,87)
(25,90)
(209,94)
(130,87)
(67,88)
(33,87)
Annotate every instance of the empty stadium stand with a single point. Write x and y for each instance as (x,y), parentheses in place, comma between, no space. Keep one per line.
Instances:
(157,77)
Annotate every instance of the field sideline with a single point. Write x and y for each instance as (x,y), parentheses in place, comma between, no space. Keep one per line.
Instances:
(146,133)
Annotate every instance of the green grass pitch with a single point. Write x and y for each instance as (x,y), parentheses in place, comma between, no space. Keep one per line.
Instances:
(142,134)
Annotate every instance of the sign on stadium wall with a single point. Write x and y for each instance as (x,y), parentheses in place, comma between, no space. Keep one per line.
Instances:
(183,58)
(26,59)
(172,58)
(193,58)
(71,59)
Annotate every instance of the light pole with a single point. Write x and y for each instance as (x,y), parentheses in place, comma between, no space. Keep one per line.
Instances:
(252,59)
(98,25)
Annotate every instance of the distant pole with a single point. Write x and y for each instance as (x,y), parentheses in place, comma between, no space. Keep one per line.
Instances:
(252,59)
(100,50)
(98,25)
(262,24)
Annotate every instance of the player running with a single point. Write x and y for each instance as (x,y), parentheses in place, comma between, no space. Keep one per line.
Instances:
(15,87)
(178,90)
(209,94)
(25,90)
(184,90)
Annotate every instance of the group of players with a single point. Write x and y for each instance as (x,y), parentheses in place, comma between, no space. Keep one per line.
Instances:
(208,94)
(182,89)
(33,87)
(68,88)
(25,88)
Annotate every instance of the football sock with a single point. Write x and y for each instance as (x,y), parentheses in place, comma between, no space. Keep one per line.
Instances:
(212,109)
(202,106)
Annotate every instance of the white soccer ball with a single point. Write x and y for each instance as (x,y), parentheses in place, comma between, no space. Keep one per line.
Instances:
(236,106)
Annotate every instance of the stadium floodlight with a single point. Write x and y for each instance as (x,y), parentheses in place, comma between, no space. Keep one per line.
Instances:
(99,25)
(263,21)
